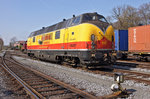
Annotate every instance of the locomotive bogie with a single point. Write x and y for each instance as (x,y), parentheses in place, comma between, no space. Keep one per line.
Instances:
(82,57)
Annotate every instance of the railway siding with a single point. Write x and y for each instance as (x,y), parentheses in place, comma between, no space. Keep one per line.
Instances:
(95,83)
(54,87)
(39,85)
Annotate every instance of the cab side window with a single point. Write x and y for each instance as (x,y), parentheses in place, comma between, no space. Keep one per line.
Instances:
(57,35)
(76,21)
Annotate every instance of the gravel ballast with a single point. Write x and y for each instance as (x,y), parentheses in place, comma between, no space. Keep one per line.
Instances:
(92,83)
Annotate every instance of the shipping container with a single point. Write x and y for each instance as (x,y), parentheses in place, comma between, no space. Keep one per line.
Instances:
(121,40)
(139,39)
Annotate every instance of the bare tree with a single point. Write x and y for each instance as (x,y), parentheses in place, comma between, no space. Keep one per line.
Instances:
(117,13)
(12,41)
(109,19)
(131,17)
(144,12)
(126,17)
(1,44)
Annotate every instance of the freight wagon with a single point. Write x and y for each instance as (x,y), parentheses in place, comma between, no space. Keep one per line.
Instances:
(121,43)
(135,40)
(139,42)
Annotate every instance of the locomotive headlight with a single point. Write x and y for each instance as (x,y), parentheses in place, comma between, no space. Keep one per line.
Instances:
(93,55)
(93,37)
(40,42)
(93,41)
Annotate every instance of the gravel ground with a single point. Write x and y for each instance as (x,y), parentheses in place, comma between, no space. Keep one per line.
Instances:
(94,83)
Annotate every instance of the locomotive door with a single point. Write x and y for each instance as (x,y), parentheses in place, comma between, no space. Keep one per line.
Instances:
(66,38)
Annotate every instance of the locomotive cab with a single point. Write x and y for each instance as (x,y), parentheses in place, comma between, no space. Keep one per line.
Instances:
(95,19)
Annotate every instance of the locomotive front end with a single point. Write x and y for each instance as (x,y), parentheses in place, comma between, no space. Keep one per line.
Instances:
(102,46)
(101,39)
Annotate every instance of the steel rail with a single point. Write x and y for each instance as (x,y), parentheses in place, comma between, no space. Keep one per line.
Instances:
(28,88)
(21,82)
(136,74)
(134,62)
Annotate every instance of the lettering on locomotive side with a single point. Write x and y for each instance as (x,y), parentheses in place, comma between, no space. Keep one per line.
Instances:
(72,45)
(104,42)
(134,35)
(43,47)
(46,42)
(72,39)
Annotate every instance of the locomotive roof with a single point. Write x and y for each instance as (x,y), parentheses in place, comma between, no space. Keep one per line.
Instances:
(63,24)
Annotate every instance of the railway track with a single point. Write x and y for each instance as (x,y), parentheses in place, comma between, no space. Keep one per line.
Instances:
(133,64)
(136,76)
(125,63)
(129,75)
(38,85)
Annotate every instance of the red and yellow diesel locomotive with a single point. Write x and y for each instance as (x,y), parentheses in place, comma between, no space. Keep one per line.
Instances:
(86,39)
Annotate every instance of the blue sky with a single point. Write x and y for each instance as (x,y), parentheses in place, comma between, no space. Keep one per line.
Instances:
(18,18)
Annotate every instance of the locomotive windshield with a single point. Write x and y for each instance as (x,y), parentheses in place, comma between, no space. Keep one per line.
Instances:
(88,17)
(96,19)
(101,18)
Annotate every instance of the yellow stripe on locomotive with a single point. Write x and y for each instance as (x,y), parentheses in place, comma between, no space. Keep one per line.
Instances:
(78,33)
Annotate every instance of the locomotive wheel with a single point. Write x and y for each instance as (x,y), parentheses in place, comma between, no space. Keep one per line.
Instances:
(147,59)
(113,59)
(75,62)
(87,67)
(59,62)
(124,57)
